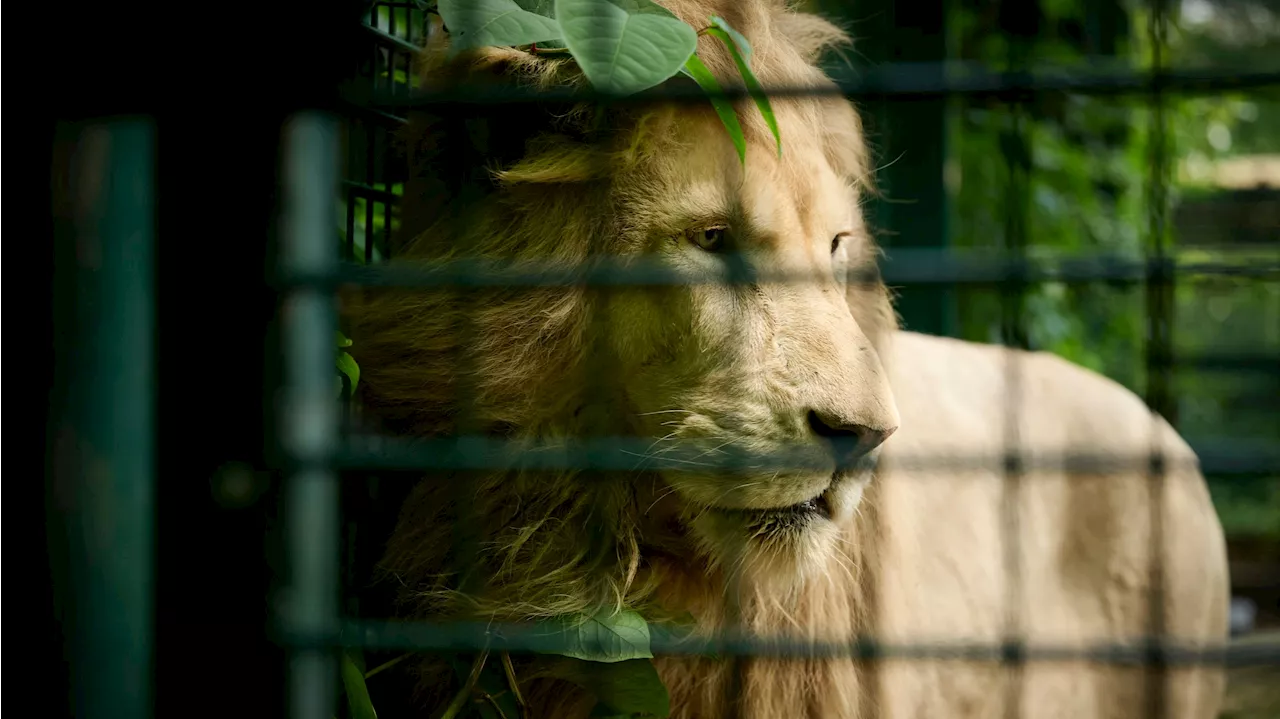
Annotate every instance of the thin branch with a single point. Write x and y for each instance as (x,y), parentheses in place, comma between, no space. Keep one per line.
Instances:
(494,703)
(460,699)
(510,671)
(387,664)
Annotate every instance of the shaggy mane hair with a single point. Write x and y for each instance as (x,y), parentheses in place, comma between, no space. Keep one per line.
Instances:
(542,183)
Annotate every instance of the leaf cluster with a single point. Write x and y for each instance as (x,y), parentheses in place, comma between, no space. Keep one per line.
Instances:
(622,46)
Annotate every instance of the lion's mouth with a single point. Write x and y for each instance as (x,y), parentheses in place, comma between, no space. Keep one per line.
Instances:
(817,506)
(800,513)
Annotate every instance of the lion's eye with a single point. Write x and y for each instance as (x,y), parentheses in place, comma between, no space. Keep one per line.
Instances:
(710,239)
(840,258)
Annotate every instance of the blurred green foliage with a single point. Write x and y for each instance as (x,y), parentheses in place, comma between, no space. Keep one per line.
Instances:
(1068,174)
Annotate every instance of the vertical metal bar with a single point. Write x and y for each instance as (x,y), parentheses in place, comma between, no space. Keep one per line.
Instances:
(1159,351)
(350,156)
(351,224)
(1012,316)
(370,236)
(371,179)
(105,431)
(1013,299)
(386,221)
(310,416)
(408,76)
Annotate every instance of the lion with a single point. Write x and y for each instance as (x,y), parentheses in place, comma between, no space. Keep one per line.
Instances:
(860,538)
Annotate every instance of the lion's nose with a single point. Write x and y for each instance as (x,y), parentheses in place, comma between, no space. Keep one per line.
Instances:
(849,441)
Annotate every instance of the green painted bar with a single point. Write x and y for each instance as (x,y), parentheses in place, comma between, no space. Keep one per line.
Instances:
(310,417)
(104,432)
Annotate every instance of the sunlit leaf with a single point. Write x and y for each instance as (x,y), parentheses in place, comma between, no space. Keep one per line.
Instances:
(499,23)
(738,39)
(357,692)
(701,75)
(347,366)
(741,51)
(605,637)
(625,46)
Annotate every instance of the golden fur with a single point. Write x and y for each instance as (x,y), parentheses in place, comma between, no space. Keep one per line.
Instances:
(714,366)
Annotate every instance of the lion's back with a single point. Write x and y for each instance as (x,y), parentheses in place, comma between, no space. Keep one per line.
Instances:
(1080,565)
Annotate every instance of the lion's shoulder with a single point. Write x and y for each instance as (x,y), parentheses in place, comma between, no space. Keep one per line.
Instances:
(941,380)
(1092,526)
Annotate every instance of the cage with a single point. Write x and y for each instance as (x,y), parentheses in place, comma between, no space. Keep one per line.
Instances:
(162,553)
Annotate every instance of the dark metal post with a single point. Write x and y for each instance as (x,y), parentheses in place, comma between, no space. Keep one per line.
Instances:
(102,434)
(309,430)
(1159,349)
(909,137)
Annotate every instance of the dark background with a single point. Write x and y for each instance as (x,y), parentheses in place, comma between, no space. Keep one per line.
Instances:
(218,78)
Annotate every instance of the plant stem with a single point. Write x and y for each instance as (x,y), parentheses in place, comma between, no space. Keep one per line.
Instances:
(510,671)
(460,699)
(387,664)
(494,703)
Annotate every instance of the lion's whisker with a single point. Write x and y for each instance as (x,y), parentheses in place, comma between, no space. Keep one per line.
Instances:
(665,411)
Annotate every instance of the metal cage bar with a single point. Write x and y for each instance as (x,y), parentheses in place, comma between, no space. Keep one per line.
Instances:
(309,601)
(1159,343)
(103,434)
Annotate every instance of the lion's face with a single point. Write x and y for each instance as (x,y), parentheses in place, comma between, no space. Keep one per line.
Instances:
(780,365)
(764,367)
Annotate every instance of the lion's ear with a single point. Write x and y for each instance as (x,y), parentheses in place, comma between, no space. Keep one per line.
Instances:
(811,35)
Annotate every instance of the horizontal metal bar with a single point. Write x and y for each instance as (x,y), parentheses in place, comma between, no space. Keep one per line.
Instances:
(626,454)
(899,80)
(369,192)
(355,101)
(1269,364)
(906,267)
(390,40)
(530,638)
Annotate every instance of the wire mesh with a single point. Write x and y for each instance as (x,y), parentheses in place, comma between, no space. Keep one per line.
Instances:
(368,225)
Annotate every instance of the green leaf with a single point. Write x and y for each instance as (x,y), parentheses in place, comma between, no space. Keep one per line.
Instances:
(357,693)
(701,75)
(500,23)
(546,8)
(624,688)
(606,637)
(342,340)
(347,365)
(738,39)
(397,76)
(625,46)
(741,52)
